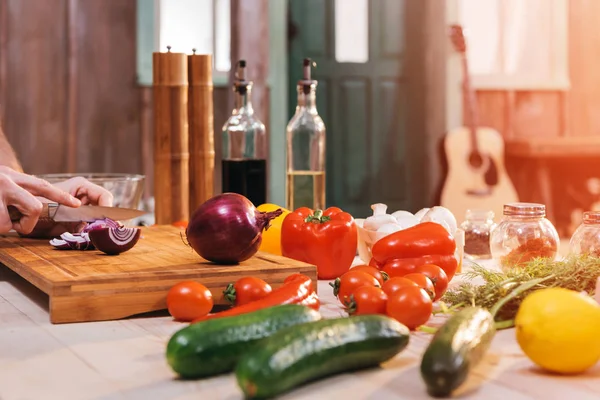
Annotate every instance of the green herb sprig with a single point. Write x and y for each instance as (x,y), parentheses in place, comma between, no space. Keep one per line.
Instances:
(499,289)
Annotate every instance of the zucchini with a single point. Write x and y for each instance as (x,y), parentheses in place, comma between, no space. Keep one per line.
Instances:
(310,351)
(214,346)
(455,349)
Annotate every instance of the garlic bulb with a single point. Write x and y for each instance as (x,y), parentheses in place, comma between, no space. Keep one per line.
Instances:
(378,218)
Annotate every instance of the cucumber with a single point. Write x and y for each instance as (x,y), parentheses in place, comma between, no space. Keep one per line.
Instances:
(310,351)
(455,349)
(214,346)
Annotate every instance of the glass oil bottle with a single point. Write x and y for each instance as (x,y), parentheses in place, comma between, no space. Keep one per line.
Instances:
(305,184)
(244,163)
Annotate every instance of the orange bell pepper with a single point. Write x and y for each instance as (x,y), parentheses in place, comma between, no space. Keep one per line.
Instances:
(401,252)
(327,239)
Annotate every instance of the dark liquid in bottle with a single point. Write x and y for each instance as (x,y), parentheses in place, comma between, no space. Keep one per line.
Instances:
(246,177)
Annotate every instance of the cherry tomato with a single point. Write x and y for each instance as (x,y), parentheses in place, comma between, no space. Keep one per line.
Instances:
(398,267)
(394,284)
(246,290)
(189,300)
(346,284)
(423,282)
(367,300)
(438,278)
(379,275)
(411,306)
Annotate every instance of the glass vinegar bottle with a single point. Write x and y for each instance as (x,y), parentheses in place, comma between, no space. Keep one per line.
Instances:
(305,183)
(244,164)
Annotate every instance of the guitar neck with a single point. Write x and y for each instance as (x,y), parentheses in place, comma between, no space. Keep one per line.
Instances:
(472,110)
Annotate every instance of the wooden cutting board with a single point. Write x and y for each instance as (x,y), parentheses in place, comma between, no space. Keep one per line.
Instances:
(92,286)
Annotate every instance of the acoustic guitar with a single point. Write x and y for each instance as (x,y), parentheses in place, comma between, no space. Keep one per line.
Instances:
(476,177)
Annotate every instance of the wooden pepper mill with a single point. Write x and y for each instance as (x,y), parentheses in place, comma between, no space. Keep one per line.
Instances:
(202,147)
(171,137)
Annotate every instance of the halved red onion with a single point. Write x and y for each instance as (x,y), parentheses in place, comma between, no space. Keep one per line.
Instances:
(114,240)
(102,223)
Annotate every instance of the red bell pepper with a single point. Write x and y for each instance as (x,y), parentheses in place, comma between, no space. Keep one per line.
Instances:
(327,239)
(401,252)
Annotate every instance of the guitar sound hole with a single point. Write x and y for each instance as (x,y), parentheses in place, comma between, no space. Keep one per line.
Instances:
(475,159)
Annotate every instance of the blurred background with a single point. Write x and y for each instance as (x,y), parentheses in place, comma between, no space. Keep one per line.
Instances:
(76,89)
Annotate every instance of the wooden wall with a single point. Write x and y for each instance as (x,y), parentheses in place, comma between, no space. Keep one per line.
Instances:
(69,100)
(541,114)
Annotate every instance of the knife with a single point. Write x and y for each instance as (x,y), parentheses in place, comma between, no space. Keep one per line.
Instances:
(61,213)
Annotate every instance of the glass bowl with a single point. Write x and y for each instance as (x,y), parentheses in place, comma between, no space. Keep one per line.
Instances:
(126,188)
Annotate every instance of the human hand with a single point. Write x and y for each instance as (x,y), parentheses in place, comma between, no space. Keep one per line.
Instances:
(19,190)
(86,191)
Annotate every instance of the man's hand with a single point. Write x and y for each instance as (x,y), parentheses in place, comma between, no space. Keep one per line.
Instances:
(19,190)
(86,191)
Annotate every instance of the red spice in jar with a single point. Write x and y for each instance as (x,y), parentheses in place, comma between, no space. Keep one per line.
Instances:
(531,249)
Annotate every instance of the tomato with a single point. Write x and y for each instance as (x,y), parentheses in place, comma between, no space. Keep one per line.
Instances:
(438,278)
(180,224)
(398,267)
(246,290)
(367,300)
(189,300)
(380,276)
(344,286)
(411,306)
(271,237)
(423,282)
(394,284)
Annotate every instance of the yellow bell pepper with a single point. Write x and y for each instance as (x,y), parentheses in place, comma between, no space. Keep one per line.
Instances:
(271,238)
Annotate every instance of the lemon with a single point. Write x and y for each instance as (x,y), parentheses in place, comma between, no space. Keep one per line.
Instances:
(559,330)
(271,238)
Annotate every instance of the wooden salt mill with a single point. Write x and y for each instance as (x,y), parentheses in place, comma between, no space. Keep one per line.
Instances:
(171,137)
(202,147)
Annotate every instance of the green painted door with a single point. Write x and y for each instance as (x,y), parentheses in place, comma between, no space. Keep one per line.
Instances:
(362,102)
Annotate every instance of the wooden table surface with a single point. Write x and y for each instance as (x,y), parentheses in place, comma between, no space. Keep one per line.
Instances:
(125,360)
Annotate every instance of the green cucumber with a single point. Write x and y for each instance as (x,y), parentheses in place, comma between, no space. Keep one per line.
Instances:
(214,346)
(310,351)
(455,349)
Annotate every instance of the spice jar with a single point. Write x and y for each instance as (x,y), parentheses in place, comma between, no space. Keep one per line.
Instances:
(586,238)
(478,225)
(523,235)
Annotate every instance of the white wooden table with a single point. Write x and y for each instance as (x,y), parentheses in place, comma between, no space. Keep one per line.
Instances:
(125,360)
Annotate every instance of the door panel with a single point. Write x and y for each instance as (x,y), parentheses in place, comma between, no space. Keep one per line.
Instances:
(362,104)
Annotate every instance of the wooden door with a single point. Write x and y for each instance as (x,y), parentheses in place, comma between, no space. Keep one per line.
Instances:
(363,104)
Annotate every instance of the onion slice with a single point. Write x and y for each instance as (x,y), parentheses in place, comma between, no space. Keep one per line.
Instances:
(114,240)
(70,241)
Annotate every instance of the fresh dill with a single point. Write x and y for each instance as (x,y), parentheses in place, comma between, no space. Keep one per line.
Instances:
(576,272)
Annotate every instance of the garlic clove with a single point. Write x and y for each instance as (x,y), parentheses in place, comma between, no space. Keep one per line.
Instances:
(442,216)
(405,219)
(374,222)
(421,213)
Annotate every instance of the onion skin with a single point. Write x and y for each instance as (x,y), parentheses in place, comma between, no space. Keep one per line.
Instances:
(107,239)
(227,228)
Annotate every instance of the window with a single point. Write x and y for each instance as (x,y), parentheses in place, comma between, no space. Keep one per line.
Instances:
(184,25)
(352,31)
(203,25)
(516,44)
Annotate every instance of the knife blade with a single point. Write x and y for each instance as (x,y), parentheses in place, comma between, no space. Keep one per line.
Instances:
(61,213)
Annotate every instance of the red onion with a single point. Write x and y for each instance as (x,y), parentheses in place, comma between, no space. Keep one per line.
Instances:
(227,229)
(69,241)
(115,240)
(81,240)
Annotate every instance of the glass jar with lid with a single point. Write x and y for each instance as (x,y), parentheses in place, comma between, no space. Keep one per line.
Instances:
(586,238)
(478,226)
(523,234)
